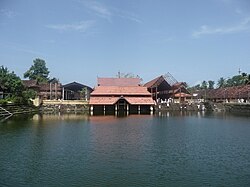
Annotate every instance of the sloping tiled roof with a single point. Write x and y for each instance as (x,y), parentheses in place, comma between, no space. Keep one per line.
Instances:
(182,95)
(113,100)
(75,86)
(139,100)
(118,81)
(234,92)
(179,84)
(103,100)
(152,82)
(120,90)
(30,83)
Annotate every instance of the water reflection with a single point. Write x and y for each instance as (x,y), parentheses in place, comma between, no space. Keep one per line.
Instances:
(165,149)
(60,117)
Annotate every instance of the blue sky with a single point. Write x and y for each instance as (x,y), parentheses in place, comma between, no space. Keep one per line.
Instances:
(194,40)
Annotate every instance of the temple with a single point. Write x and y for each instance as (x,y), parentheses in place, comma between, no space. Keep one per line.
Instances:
(166,87)
(120,95)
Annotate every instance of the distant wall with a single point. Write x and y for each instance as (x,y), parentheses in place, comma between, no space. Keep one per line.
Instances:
(237,107)
(64,105)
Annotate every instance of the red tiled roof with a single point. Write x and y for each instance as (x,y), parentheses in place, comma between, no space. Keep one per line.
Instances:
(152,82)
(227,93)
(182,95)
(113,100)
(103,100)
(120,90)
(118,81)
(140,100)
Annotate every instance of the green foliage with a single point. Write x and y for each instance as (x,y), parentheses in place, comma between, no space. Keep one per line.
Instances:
(221,83)
(128,75)
(211,84)
(3,102)
(236,80)
(38,71)
(194,88)
(204,85)
(29,94)
(10,82)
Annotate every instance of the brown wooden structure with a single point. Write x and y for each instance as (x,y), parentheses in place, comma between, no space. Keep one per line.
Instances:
(163,89)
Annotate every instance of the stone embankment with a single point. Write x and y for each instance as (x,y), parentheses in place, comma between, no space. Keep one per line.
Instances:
(64,106)
(179,107)
(9,110)
(237,107)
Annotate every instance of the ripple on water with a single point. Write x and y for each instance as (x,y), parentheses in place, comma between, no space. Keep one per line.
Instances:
(131,151)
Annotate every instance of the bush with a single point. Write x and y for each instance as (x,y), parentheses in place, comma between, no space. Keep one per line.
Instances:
(3,102)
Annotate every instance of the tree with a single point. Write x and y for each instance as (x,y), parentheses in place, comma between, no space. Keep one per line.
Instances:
(236,80)
(221,83)
(10,82)
(128,75)
(38,71)
(211,84)
(204,85)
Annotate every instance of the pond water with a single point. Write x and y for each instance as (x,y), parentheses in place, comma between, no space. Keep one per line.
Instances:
(172,149)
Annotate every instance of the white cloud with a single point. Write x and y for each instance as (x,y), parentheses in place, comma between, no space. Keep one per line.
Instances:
(126,15)
(206,30)
(108,12)
(98,8)
(80,26)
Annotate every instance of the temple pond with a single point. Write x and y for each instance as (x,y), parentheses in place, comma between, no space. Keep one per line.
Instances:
(171,149)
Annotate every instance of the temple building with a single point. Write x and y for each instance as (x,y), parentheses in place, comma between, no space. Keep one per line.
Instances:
(120,95)
(76,91)
(166,87)
(51,90)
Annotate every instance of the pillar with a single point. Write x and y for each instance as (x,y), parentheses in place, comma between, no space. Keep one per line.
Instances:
(63,94)
(156,95)
(139,109)
(116,107)
(55,91)
(151,108)
(50,92)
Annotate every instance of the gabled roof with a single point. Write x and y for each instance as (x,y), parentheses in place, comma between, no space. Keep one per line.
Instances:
(120,90)
(74,86)
(179,84)
(156,82)
(118,81)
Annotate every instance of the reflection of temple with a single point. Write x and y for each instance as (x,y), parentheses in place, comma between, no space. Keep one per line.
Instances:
(120,94)
(61,117)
